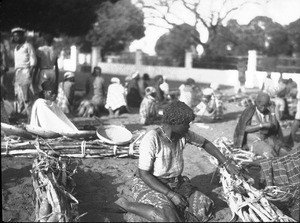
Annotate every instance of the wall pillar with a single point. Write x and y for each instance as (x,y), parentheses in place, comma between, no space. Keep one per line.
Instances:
(96,56)
(138,58)
(188,60)
(74,57)
(251,79)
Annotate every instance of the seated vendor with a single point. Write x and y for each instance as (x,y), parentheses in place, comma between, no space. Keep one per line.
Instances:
(47,115)
(161,192)
(207,108)
(258,129)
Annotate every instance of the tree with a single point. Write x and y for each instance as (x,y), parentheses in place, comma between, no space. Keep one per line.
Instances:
(117,25)
(164,12)
(293,30)
(172,45)
(67,17)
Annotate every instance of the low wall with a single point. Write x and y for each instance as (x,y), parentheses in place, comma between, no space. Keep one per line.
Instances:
(254,79)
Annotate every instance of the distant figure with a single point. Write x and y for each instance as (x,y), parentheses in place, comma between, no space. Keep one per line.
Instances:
(165,87)
(95,95)
(143,83)
(116,99)
(134,97)
(3,69)
(149,107)
(66,91)
(206,109)
(188,92)
(296,124)
(258,129)
(269,86)
(47,67)
(25,62)
(241,68)
(218,96)
(47,115)
(158,80)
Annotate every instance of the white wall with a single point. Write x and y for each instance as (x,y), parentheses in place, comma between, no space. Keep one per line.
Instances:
(254,79)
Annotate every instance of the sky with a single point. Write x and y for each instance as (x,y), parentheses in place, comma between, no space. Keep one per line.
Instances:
(280,11)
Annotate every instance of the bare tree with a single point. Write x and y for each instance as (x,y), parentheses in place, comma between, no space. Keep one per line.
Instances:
(208,14)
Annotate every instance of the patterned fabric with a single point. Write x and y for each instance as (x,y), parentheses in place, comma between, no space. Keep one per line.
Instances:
(4,116)
(284,172)
(62,100)
(148,110)
(200,206)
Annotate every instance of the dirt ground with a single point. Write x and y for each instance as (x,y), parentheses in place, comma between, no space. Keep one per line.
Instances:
(101,181)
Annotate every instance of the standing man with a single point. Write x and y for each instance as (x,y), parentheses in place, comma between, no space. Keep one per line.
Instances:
(25,62)
(47,67)
(241,67)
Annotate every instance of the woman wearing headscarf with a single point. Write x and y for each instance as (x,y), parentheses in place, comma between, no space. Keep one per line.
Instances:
(115,101)
(160,191)
(47,115)
(66,91)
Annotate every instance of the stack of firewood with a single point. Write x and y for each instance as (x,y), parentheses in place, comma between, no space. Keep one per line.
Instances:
(53,186)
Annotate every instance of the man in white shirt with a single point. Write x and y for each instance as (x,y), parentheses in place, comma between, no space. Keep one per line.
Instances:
(25,62)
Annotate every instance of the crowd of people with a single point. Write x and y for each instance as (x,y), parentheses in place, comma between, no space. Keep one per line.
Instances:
(161,192)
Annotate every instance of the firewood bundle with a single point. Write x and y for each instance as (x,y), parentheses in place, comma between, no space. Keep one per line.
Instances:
(53,186)
(66,147)
(245,201)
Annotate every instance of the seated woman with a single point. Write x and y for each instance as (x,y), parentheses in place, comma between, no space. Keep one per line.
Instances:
(149,107)
(116,99)
(47,115)
(160,191)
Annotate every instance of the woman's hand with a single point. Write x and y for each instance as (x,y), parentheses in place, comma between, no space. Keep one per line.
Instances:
(177,199)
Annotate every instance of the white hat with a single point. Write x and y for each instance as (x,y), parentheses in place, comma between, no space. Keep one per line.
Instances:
(208,91)
(69,74)
(115,80)
(18,29)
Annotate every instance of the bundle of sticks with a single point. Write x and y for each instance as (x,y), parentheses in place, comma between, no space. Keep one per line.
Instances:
(245,201)
(53,186)
(70,147)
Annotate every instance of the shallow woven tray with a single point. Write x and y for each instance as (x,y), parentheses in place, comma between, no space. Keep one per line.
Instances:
(114,134)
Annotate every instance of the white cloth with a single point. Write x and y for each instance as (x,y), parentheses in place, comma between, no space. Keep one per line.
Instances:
(24,56)
(51,118)
(115,96)
(186,94)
